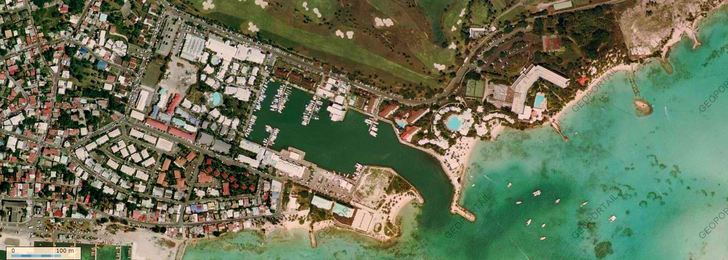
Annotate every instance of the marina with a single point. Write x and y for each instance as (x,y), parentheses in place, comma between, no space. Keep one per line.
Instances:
(618,153)
(311,111)
(372,123)
(273,135)
(257,104)
(280,99)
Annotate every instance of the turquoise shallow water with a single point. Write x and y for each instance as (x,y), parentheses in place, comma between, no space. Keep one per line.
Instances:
(663,176)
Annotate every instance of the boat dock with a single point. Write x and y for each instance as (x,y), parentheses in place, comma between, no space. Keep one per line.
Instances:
(271,139)
(311,111)
(372,123)
(280,99)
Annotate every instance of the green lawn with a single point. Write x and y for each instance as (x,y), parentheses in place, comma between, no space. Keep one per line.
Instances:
(325,7)
(238,14)
(451,18)
(512,14)
(47,19)
(125,253)
(106,252)
(428,52)
(479,13)
(435,10)
(500,4)
(153,72)
(85,251)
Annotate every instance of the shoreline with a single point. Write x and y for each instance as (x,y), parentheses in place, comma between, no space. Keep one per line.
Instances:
(145,242)
(677,35)
(453,176)
(292,223)
(458,187)
(691,30)
(591,89)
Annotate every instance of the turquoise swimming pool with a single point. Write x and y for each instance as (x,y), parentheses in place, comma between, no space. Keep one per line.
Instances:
(216,99)
(538,102)
(453,123)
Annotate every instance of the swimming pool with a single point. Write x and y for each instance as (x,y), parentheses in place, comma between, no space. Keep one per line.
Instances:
(538,102)
(453,123)
(216,99)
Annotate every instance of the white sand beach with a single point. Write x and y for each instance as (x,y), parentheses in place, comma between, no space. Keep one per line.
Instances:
(146,244)
(591,88)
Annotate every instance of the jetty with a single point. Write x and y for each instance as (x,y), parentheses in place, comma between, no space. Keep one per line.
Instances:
(312,237)
(463,212)
(557,128)
(641,105)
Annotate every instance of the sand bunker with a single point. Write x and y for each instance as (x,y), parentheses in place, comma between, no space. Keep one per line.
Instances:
(386,22)
(348,34)
(208,5)
(316,11)
(453,28)
(440,67)
(262,3)
(253,28)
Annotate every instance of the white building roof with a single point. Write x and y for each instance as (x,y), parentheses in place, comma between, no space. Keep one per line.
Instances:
(247,160)
(222,49)
(321,203)
(193,47)
(250,146)
(136,133)
(142,100)
(164,145)
(526,80)
(288,168)
(250,54)
(137,115)
(116,132)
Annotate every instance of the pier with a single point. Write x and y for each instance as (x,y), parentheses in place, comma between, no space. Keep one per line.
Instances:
(312,237)
(455,208)
(557,128)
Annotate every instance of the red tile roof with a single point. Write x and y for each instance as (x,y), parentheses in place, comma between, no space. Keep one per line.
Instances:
(165,164)
(191,156)
(203,177)
(388,110)
(174,103)
(409,132)
(181,184)
(583,80)
(161,179)
(156,124)
(182,134)
(416,115)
